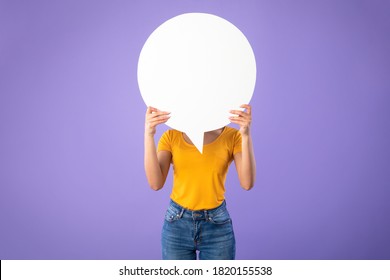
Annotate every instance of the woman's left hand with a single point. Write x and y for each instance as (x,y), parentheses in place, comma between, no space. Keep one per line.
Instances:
(243,118)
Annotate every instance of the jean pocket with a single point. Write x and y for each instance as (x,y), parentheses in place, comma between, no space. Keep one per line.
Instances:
(220,219)
(172,214)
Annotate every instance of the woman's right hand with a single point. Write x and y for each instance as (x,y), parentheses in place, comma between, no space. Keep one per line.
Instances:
(153,118)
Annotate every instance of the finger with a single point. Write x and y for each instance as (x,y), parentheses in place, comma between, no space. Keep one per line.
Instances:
(150,109)
(158,114)
(155,123)
(242,119)
(239,113)
(157,118)
(154,110)
(247,107)
(239,120)
(161,112)
(236,112)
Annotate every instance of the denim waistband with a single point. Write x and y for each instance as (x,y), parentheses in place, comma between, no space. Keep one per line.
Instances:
(198,214)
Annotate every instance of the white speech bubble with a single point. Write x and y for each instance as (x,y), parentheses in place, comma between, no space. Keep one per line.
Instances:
(198,67)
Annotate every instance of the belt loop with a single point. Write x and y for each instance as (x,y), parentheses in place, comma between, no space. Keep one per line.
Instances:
(206,215)
(181,212)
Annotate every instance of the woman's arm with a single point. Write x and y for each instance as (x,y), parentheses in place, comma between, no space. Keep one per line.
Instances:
(156,165)
(245,160)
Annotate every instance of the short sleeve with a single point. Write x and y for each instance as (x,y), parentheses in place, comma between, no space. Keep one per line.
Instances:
(237,145)
(164,144)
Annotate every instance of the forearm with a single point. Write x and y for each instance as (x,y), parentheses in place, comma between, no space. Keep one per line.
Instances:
(248,163)
(152,166)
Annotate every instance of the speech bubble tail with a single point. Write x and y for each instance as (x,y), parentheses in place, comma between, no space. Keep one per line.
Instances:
(197,139)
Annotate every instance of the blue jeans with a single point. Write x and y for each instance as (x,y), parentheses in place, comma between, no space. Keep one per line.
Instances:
(208,231)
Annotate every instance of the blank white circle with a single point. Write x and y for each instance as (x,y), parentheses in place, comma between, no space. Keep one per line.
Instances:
(198,67)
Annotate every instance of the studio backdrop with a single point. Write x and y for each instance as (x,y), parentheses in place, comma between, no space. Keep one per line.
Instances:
(72,182)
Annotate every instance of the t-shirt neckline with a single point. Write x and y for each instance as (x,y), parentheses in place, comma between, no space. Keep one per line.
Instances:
(215,140)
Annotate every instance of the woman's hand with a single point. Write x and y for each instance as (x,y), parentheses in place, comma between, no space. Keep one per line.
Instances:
(153,118)
(243,119)
(245,160)
(156,164)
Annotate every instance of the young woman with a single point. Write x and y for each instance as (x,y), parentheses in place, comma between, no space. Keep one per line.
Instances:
(197,218)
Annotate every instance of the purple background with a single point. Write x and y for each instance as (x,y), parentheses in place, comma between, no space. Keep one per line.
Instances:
(72,183)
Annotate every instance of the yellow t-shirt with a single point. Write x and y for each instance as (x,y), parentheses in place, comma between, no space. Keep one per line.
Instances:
(199,179)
